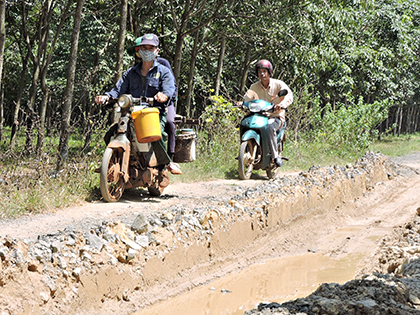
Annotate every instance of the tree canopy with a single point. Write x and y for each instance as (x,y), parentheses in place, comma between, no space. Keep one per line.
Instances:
(331,51)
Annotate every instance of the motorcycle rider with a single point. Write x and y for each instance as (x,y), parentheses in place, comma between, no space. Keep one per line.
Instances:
(150,79)
(266,89)
(170,109)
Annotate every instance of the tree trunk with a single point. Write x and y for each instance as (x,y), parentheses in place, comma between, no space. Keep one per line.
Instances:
(179,44)
(43,29)
(400,118)
(121,40)
(41,127)
(2,34)
(30,115)
(1,111)
(190,82)
(397,114)
(120,48)
(2,44)
(220,66)
(68,94)
(244,77)
(18,103)
(44,69)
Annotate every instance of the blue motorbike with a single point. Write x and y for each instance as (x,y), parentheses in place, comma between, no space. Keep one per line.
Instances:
(254,152)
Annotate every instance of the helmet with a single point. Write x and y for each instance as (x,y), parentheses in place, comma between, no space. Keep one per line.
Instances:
(264,64)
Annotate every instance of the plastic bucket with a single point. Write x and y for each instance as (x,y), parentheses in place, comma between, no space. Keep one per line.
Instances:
(147,124)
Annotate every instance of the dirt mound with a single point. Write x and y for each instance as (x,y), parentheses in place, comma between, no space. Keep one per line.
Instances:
(117,267)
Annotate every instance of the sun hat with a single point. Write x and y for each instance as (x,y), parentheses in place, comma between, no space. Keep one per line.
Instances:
(147,39)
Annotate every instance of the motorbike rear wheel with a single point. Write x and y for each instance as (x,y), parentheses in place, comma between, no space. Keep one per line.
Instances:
(245,160)
(111,179)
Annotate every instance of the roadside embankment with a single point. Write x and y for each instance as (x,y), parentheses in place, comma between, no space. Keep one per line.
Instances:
(121,268)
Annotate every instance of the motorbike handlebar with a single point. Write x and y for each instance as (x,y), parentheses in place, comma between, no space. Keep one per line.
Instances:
(143,99)
(125,100)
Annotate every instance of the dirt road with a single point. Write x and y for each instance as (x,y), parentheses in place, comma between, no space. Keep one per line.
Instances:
(133,202)
(137,201)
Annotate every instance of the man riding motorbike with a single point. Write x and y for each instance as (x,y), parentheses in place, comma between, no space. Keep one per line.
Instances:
(150,79)
(266,89)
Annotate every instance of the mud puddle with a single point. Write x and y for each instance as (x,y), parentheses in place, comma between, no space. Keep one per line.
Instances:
(276,280)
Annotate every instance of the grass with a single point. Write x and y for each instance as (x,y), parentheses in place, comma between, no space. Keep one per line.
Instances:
(31,185)
(397,146)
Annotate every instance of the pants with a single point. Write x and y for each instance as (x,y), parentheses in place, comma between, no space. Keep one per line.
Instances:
(160,146)
(170,129)
(274,124)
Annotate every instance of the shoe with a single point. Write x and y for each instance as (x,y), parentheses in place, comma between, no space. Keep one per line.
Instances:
(163,178)
(174,168)
(278,161)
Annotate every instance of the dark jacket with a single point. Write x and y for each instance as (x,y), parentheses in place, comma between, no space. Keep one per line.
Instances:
(158,79)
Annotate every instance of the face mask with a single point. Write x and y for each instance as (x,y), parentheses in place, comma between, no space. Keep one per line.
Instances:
(147,55)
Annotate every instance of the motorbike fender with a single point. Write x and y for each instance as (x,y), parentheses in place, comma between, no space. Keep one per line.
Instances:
(251,134)
(123,143)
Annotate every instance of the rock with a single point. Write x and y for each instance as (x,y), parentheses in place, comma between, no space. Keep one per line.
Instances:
(76,272)
(140,224)
(131,254)
(94,241)
(134,245)
(414,299)
(142,240)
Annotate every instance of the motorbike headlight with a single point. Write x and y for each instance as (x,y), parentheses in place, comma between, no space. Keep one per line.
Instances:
(254,107)
(124,101)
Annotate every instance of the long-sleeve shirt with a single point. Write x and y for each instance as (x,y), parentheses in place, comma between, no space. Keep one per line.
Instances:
(158,79)
(257,91)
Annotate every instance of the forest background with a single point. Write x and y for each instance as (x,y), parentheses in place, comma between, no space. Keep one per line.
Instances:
(353,67)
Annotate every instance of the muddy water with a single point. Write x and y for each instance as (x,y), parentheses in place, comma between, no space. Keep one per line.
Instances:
(276,280)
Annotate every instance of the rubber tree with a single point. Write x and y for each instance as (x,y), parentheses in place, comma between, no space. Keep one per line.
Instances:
(220,66)
(36,61)
(2,44)
(46,61)
(190,82)
(182,15)
(120,46)
(63,147)
(35,30)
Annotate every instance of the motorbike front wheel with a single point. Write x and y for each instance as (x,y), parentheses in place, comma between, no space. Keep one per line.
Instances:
(111,179)
(245,165)
(273,170)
